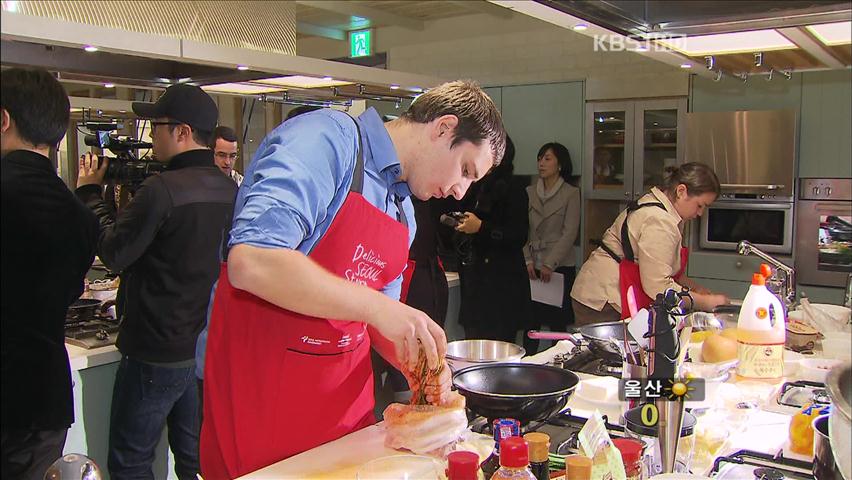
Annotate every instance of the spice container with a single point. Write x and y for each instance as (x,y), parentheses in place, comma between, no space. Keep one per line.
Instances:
(632,453)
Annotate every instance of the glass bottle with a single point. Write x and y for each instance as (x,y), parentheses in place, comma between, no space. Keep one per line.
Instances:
(539,447)
(514,460)
(503,428)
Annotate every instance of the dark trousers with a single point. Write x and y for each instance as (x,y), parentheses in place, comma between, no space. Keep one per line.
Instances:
(145,399)
(27,454)
(558,319)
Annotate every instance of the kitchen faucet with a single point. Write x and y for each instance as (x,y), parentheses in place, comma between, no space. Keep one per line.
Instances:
(786,284)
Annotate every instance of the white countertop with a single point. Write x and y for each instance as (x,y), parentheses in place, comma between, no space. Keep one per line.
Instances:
(767,432)
(81,358)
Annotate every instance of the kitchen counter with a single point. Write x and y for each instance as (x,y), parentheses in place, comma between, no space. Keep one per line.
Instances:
(81,358)
(767,432)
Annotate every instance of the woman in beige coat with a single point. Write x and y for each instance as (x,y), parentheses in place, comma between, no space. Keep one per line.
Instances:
(554,210)
(656,235)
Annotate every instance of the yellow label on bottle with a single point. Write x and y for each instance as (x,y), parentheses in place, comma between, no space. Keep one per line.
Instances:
(760,361)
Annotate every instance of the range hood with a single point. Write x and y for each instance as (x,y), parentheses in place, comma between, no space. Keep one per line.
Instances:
(752,152)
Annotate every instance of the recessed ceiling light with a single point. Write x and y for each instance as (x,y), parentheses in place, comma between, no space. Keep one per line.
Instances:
(737,42)
(394,87)
(243,88)
(164,80)
(90,48)
(831,34)
(242,67)
(685,65)
(109,85)
(580,27)
(122,111)
(301,81)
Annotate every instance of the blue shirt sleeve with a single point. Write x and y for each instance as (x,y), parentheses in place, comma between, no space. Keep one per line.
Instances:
(292,181)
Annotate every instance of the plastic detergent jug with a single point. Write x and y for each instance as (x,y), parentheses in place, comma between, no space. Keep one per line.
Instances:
(760,333)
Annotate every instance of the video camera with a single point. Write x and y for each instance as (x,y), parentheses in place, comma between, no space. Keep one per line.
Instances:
(126,168)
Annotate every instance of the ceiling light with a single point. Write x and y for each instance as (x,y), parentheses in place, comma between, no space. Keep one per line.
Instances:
(737,42)
(685,65)
(122,111)
(394,87)
(242,88)
(109,85)
(415,89)
(301,81)
(242,68)
(164,80)
(832,33)
(11,6)
(184,79)
(90,48)
(580,27)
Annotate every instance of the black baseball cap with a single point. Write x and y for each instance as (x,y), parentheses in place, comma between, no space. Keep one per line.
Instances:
(185,103)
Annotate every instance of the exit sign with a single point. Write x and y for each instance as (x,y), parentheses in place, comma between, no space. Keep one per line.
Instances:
(360,43)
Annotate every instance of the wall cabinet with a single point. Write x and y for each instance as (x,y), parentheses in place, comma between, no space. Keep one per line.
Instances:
(629,144)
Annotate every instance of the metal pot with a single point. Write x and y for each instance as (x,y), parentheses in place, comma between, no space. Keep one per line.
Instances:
(825,467)
(839,385)
(523,391)
(467,353)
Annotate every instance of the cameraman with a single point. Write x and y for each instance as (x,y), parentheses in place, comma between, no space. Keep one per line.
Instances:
(165,244)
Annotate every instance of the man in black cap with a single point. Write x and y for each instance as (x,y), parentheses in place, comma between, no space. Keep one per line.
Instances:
(165,243)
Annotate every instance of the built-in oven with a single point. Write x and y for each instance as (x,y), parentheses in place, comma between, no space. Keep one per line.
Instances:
(767,225)
(824,231)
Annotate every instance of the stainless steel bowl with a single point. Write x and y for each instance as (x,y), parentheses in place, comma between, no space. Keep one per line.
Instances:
(466,353)
(839,384)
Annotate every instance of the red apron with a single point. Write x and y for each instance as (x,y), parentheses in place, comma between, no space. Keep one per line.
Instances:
(628,269)
(277,383)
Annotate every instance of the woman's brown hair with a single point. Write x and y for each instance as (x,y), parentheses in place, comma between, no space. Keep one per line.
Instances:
(698,178)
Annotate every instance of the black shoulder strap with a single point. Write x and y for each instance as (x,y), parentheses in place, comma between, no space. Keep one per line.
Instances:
(625,234)
(358,177)
(358,174)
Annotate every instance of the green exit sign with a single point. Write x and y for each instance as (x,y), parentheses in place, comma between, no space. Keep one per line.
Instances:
(360,43)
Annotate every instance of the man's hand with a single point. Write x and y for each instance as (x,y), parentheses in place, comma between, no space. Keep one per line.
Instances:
(470,224)
(409,330)
(531,271)
(90,173)
(439,387)
(545,274)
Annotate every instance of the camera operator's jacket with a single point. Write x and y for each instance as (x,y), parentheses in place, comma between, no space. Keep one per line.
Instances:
(165,244)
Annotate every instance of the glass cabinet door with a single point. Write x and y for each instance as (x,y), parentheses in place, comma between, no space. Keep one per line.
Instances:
(609,140)
(658,141)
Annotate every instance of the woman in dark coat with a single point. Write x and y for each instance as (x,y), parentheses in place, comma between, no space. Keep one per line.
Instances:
(495,290)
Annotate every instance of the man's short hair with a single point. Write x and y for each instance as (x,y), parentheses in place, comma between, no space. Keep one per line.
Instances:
(37,103)
(478,117)
(225,133)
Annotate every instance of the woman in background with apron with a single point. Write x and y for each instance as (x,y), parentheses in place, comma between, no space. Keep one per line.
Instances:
(643,249)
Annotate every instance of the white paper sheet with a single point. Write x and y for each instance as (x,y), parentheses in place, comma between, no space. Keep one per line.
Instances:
(549,293)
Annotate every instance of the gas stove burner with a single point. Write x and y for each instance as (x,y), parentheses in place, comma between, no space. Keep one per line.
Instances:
(92,333)
(609,369)
(766,473)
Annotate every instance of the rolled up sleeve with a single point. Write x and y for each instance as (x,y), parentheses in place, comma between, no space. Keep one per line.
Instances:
(293,179)
(656,250)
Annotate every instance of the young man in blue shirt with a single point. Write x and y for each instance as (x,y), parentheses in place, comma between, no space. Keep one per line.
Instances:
(320,237)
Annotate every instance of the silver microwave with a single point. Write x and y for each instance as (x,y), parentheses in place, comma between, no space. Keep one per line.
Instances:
(768,226)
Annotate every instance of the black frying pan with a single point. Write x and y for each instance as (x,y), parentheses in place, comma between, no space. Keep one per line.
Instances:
(598,335)
(522,391)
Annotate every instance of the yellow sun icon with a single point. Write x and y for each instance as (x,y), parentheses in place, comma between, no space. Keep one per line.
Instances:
(680,388)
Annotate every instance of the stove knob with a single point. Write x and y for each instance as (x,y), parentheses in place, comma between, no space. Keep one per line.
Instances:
(827,191)
(102,335)
(816,190)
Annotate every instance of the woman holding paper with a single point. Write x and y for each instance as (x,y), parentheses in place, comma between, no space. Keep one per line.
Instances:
(643,249)
(554,216)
